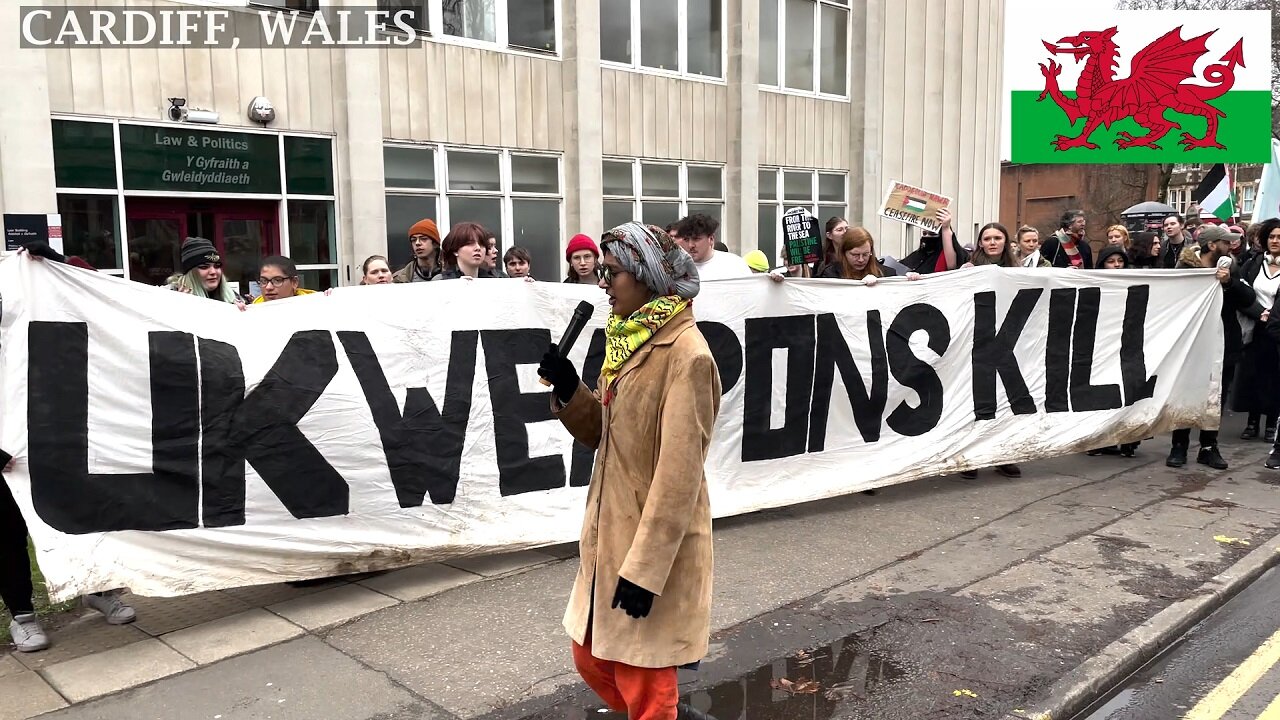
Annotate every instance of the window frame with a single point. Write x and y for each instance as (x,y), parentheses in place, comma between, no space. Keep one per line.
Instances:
(780,204)
(781,24)
(505,194)
(434,31)
(682,47)
(1248,198)
(638,198)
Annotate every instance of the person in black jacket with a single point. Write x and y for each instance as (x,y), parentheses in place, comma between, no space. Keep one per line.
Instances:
(1237,296)
(1068,247)
(932,255)
(1257,390)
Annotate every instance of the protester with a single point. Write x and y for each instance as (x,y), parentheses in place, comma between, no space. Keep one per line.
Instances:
(1237,296)
(424,240)
(278,280)
(201,274)
(1114,257)
(25,630)
(1144,249)
(491,258)
(1175,237)
(1028,247)
(757,261)
(641,602)
(584,261)
(1118,235)
(464,251)
(856,259)
(375,271)
(994,248)
(1068,248)
(835,229)
(1257,390)
(518,262)
(938,251)
(673,232)
(698,235)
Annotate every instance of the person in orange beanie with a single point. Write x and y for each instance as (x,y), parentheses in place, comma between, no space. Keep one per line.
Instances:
(424,240)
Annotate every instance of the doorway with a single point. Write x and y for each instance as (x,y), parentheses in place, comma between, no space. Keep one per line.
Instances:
(243,231)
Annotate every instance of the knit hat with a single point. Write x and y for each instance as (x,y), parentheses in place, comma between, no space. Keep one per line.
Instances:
(426,226)
(197,251)
(756,260)
(581,242)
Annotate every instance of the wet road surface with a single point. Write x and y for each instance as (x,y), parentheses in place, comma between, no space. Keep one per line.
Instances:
(1226,668)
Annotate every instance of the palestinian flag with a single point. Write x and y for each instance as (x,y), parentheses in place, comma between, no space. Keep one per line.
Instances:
(1087,83)
(1214,194)
(914,204)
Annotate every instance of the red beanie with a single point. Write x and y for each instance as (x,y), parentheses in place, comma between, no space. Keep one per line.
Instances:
(581,242)
(427,227)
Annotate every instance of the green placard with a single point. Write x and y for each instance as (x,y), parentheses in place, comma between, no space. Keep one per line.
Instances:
(801,237)
(182,159)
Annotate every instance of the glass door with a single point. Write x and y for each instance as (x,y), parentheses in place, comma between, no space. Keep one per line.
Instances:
(245,234)
(155,243)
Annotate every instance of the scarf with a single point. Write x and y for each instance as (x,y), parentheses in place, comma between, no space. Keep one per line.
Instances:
(653,258)
(1068,243)
(623,336)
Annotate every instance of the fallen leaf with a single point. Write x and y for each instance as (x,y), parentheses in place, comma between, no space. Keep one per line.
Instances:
(964,693)
(1225,540)
(806,687)
(932,620)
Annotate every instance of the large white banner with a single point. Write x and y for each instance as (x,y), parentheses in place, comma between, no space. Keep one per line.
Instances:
(172,444)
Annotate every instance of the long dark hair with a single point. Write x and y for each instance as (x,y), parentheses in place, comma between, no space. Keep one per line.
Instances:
(828,246)
(1007,258)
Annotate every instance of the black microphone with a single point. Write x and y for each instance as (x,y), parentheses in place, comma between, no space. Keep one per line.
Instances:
(581,315)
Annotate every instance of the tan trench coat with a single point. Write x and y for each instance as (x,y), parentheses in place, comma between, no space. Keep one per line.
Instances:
(648,517)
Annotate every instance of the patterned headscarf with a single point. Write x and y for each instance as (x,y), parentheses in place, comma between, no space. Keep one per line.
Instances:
(648,253)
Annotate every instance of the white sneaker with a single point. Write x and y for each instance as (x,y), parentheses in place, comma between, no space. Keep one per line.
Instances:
(112,607)
(27,634)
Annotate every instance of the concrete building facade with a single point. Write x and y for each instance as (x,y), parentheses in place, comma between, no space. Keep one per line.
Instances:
(537,118)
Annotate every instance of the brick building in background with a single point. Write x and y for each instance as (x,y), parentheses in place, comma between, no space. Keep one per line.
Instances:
(1037,194)
(1245,178)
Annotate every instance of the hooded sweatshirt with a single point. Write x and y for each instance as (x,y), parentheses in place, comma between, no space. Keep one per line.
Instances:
(1110,250)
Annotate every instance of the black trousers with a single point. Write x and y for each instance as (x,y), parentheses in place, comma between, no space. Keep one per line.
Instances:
(1208,438)
(15,564)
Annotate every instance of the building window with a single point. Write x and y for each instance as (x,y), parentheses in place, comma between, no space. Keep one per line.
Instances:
(522,24)
(695,48)
(1248,193)
(515,195)
(668,191)
(804,45)
(825,194)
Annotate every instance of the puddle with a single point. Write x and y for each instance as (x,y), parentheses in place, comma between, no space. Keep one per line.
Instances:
(820,680)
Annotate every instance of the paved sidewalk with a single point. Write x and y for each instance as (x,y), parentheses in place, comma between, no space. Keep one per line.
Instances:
(1008,584)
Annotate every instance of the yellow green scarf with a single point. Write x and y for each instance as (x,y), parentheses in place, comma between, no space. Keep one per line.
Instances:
(623,336)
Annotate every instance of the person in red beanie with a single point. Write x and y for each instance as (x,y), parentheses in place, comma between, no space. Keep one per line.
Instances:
(584,260)
(424,239)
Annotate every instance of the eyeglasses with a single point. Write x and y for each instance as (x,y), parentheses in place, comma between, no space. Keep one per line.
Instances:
(276,281)
(607,274)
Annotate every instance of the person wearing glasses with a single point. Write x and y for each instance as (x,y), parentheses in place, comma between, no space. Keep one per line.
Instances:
(278,279)
(698,236)
(424,241)
(202,273)
(641,603)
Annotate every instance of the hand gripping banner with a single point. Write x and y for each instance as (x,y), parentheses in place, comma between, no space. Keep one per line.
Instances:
(172,444)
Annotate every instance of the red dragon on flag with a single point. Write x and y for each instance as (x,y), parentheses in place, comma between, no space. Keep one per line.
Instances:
(1156,83)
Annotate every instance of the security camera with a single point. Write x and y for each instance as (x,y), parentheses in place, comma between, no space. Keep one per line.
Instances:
(177,109)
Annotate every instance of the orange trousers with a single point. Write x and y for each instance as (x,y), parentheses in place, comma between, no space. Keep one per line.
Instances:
(642,693)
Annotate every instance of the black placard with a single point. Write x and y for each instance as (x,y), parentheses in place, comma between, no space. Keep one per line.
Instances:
(800,236)
(20,229)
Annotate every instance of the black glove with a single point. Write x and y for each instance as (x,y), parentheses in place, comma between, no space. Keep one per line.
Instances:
(40,248)
(634,600)
(560,373)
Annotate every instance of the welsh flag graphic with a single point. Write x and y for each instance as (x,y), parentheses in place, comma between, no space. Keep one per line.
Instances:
(1091,84)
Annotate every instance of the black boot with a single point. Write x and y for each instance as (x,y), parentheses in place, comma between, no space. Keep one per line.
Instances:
(1211,457)
(685,711)
(1177,456)
(1273,460)
(1270,434)
(1250,430)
